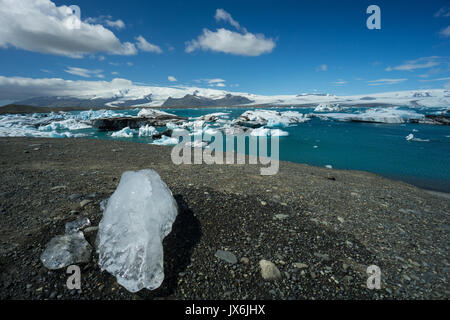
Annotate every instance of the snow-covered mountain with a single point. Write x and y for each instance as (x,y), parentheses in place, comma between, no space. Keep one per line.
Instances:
(151,96)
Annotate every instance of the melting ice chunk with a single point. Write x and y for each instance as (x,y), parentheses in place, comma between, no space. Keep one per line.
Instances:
(65,250)
(138,216)
(77,225)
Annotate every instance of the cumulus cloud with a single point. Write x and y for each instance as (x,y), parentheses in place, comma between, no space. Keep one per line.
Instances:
(420,63)
(41,26)
(223,40)
(380,82)
(144,45)
(230,42)
(85,73)
(17,88)
(172,78)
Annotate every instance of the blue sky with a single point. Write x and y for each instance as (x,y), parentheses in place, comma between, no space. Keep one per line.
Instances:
(302,46)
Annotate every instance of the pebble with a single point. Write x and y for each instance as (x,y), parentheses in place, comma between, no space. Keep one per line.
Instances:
(245,260)
(226,256)
(299,265)
(85,203)
(269,271)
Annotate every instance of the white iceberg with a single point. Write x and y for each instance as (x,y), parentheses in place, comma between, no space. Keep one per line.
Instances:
(138,216)
(147,131)
(152,113)
(166,141)
(327,107)
(270,118)
(124,133)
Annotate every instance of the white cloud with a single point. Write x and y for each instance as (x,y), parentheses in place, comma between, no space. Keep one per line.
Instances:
(432,80)
(223,40)
(225,16)
(16,88)
(339,82)
(445,32)
(172,78)
(420,63)
(216,82)
(41,26)
(380,82)
(443,12)
(230,42)
(106,20)
(118,24)
(85,73)
(114,73)
(144,45)
(322,67)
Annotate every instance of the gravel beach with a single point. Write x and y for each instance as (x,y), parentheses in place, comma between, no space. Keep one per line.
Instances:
(320,227)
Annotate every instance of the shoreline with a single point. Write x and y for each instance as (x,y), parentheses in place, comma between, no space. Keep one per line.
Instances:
(25,109)
(322,228)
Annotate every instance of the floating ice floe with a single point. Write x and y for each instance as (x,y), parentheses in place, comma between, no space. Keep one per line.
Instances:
(152,113)
(147,131)
(377,115)
(166,141)
(268,132)
(69,124)
(410,137)
(327,107)
(270,118)
(124,133)
(138,216)
(212,117)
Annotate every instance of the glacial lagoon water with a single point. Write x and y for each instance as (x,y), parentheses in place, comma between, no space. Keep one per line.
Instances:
(375,147)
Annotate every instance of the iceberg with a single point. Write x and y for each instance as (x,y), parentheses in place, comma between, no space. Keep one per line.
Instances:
(147,131)
(166,141)
(138,216)
(151,113)
(124,133)
(271,118)
(327,107)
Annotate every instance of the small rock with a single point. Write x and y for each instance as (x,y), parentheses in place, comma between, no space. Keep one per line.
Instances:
(85,203)
(263,203)
(74,196)
(245,260)
(269,271)
(226,256)
(322,256)
(281,216)
(340,219)
(299,265)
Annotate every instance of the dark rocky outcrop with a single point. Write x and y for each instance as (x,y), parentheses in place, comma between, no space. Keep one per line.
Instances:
(193,100)
(115,124)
